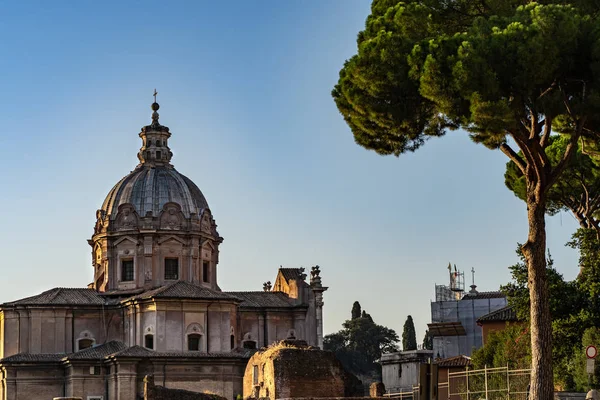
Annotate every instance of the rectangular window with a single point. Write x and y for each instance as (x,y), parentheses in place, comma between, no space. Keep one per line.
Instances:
(194,342)
(255,375)
(149,342)
(126,270)
(158,155)
(171,268)
(205,269)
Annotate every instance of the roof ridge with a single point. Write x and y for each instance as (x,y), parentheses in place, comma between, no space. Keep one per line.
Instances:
(55,295)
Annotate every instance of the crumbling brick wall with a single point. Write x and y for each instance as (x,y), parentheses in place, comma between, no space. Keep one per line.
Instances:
(153,392)
(292,369)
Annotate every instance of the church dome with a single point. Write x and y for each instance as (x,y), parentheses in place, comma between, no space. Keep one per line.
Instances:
(150,188)
(154,182)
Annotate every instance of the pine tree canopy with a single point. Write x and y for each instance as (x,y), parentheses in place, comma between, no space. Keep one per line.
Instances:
(511,73)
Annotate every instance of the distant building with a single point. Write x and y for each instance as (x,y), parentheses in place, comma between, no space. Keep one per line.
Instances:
(400,370)
(454,316)
(451,365)
(497,321)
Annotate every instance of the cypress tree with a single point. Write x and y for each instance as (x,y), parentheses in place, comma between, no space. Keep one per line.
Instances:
(409,336)
(427,341)
(356,310)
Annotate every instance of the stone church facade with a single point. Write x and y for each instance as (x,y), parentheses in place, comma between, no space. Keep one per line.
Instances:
(154,306)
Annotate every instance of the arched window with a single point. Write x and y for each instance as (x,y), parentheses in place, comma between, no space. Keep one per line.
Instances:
(232,342)
(249,344)
(149,341)
(194,341)
(248,341)
(85,340)
(85,343)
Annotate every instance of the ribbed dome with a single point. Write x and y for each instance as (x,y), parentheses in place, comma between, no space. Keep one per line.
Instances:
(150,188)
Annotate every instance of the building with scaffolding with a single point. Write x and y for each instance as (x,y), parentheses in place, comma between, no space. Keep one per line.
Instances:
(454,315)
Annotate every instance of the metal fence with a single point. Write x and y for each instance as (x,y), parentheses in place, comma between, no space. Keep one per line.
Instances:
(488,383)
(414,395)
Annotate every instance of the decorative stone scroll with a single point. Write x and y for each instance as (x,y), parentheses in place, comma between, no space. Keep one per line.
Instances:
(126,218)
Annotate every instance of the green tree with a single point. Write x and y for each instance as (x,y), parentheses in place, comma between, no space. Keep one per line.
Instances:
(507,73)
(564,297)
(577,190)
(361,343)
(356,310)
(588,280)
(427,341)
(510,346)
(409,336)
(591,336)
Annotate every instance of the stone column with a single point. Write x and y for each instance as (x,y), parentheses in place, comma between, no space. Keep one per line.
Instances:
(271,329)
(261,339)
(59,331)
(35,332)
(318,289)
(146,262)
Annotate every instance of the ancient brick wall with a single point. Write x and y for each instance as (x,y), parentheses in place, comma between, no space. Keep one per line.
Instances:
(291,369)
(153,392)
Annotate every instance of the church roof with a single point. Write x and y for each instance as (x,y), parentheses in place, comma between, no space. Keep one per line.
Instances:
(61,296)
(150,188)
(142,352)
(503,314)
(484,295)
(98,352)
(183,290)
(264,299)
(33,358)
(291,273)
(90,297)
(116,348)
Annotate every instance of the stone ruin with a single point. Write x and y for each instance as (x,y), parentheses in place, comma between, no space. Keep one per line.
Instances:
(292,369)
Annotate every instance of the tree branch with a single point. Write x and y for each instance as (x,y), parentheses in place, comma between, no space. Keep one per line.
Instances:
(547,130)
(506,149)
(569,151)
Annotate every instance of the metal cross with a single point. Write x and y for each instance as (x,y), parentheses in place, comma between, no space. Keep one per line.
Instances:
(155,93)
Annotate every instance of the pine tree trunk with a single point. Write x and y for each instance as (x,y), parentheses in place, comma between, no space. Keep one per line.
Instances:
(542,386)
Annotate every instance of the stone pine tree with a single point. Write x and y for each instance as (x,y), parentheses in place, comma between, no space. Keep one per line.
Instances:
(577,190)
(511,73)
(409,336)
(427,341)
(356,310)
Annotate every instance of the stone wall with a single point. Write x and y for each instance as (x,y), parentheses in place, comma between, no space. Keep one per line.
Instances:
(292,369)
(153,392)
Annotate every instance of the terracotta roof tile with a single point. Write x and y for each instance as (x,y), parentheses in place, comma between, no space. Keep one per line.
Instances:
(119,349)
(264,299)
(184,290)
(452,362)
(142,352)
(33,358)
(503,314)
(62,296)
(291,273)
(98,352)
(484,295)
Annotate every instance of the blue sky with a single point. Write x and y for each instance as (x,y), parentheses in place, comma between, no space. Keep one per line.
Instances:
(245,88)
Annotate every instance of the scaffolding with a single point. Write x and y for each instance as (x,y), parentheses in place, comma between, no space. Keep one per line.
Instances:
(455,289)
